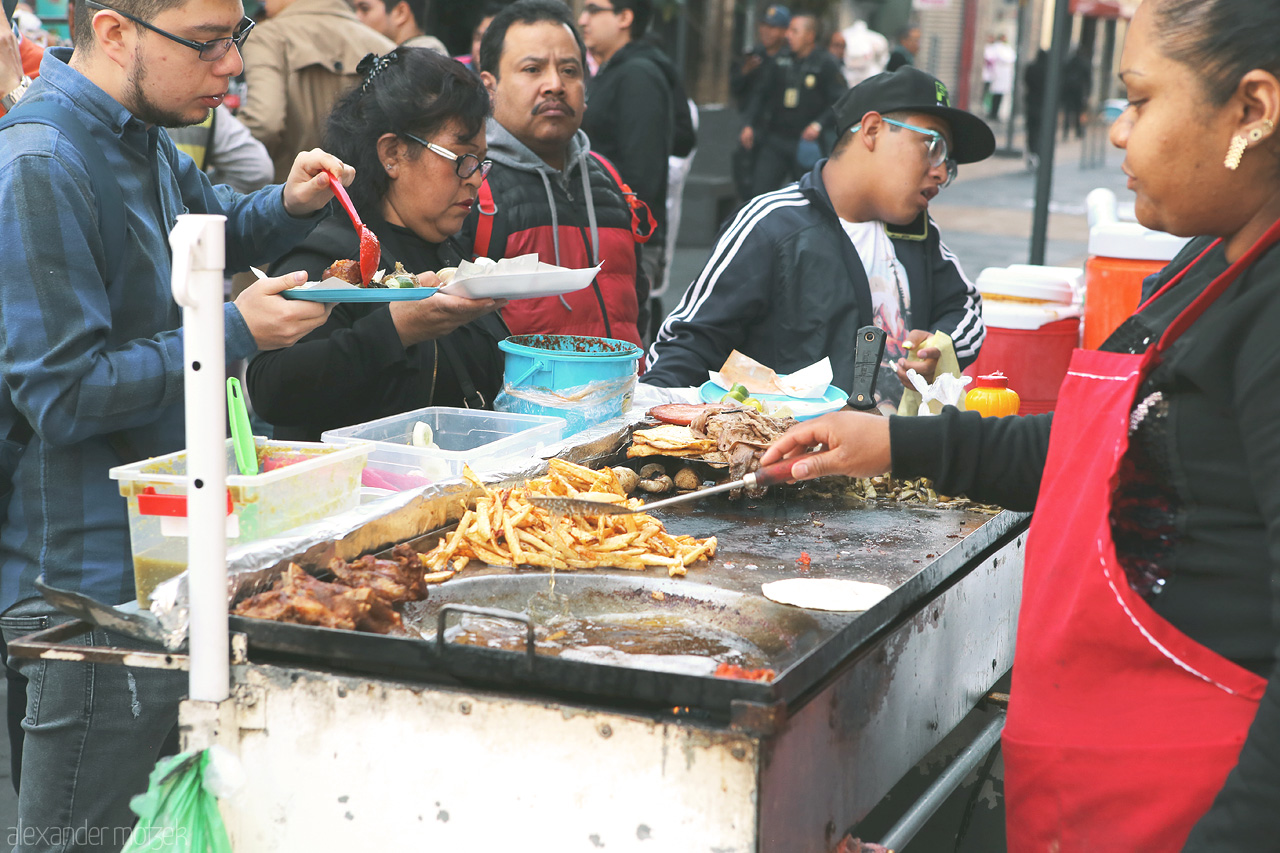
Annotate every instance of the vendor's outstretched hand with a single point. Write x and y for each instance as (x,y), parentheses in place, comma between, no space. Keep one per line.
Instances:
(857,445)
(276,322)
(923,360)
(428,319)
(306,190)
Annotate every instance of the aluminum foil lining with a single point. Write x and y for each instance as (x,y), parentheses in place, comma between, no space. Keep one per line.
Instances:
(376,526)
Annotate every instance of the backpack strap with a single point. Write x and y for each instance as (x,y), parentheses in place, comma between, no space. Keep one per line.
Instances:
(106,189)
(106,195)
(471,397)
(484,225)
(633,201)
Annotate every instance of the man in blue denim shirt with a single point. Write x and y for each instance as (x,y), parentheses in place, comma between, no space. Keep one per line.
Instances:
(95,366)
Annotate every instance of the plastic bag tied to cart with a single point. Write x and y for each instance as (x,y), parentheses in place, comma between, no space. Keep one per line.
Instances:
(178,813)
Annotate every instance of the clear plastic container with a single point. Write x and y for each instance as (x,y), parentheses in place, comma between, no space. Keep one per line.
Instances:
(484,440)
(322,481)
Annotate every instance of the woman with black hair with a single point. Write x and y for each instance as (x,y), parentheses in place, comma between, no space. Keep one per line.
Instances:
(1145,707)
(414,131)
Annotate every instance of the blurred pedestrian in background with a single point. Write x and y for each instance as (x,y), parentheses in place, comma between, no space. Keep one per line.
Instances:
(906,46)
(402,21)
(632,104)
(746,76)
(866,53)
(1033,103)
(298,63)
(1077,84)
(835,46)
(792,106)
(1000,59)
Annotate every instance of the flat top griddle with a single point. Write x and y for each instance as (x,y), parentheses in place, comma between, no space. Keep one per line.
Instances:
(912,549)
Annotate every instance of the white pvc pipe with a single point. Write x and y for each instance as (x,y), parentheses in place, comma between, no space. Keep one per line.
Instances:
(198,259)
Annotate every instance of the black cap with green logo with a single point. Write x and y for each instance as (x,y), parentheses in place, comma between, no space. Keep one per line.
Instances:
(911,90)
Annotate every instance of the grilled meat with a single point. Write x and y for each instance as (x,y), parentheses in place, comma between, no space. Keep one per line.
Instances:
(743,435)
(395,581)
(348,271)
(301,599)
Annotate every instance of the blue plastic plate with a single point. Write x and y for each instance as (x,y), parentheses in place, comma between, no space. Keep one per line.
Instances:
(371,294)
(805,407)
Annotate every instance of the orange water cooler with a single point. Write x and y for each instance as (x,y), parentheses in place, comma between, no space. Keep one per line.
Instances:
(1032,315)
(1121,255)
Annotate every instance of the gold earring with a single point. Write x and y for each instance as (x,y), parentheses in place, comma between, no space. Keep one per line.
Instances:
(1235,151)
(1258,132)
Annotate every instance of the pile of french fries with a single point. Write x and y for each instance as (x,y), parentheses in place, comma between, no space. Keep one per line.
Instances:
(505,529)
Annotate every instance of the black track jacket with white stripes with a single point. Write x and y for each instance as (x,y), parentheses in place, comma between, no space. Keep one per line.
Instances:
(785,286)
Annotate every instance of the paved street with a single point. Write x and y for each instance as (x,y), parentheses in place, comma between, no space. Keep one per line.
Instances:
(985,217)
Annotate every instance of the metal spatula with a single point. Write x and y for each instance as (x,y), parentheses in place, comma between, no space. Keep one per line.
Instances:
(770,475)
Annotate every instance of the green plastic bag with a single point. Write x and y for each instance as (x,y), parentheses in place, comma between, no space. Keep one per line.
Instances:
(178,812)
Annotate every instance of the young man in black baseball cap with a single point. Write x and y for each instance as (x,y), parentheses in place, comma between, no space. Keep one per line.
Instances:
(799,270)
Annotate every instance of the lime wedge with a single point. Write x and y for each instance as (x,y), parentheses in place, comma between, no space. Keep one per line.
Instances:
(422,436)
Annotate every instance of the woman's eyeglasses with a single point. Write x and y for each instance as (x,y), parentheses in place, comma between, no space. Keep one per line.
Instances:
(937,151)
(210,51)
(464,165)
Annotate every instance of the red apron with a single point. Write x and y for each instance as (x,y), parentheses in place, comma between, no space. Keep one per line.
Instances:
(1121,729)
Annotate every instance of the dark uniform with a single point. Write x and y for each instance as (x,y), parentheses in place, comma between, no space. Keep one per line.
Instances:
(744,87)
(793,94)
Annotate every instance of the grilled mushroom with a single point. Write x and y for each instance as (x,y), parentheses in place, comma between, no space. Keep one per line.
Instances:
(628,478)
(654,479)
(687,479)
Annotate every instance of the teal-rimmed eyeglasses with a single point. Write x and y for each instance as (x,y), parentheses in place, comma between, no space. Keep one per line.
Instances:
(937,150)
(464,165)
(210,51)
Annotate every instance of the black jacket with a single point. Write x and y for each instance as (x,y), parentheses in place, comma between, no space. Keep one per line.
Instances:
(785,286)
(630,119)
(796,92)
(743,85)
(353,368)
(1219,439)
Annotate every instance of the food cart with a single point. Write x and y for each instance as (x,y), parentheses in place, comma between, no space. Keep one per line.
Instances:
(479,728)
(362,741)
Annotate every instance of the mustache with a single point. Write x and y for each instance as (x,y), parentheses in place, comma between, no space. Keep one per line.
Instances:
(546,105)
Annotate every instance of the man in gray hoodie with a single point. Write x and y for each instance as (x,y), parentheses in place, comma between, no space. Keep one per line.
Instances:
(547,192)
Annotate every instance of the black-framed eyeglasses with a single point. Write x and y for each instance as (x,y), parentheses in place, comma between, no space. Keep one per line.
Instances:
(210,51)
(464,165)
(593,9)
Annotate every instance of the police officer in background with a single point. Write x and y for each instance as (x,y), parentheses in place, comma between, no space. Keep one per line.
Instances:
(745,78)
(792,105)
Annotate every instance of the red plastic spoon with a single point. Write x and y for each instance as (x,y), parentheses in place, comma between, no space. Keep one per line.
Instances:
(370,249)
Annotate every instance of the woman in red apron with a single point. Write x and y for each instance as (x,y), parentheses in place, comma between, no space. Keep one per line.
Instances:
(1142,717)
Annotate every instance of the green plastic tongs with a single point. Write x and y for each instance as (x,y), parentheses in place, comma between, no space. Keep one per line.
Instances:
(241,432)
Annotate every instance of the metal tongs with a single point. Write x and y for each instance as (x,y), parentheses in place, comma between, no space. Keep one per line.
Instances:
(770,475)
(370,248)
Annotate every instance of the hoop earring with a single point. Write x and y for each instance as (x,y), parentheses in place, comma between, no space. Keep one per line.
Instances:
(1235,151)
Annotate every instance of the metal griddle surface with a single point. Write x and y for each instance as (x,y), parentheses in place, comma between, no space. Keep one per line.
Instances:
(914,550)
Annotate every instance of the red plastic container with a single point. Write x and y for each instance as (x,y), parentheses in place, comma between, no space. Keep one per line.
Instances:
(1034,360)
